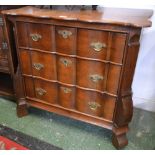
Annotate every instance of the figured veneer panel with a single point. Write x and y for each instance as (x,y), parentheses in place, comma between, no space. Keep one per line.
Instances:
(44,65)
(86,38)
(46,91)
(113,79)
(117,47)
(29,87)
(40,36)
(67,96)
(66,69)
(65,38)
(90,74)
(22,36)
(25,61)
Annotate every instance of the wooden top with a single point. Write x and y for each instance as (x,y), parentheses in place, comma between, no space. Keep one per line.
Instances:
(118,16)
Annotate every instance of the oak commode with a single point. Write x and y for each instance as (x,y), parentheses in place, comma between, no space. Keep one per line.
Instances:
(78,64)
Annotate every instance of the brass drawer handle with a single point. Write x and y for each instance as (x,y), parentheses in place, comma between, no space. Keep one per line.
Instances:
(35,37)
(66,90)
(40,91)
(95,77)
(66,62)
(65,33)
(94,105)
(97,46)
(38,66)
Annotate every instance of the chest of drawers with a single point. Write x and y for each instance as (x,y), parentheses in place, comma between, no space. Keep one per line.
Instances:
(78,64)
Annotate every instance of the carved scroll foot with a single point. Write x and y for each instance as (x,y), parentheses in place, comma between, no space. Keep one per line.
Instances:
(119,138)
(22,109)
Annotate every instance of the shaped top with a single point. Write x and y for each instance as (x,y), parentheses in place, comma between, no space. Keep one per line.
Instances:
(116,16)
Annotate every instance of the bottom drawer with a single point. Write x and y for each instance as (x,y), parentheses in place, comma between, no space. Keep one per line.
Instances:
(84,101)
(95,104)
(67,96)
(42,90)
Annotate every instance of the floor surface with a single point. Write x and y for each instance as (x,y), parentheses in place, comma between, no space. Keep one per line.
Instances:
(71,134)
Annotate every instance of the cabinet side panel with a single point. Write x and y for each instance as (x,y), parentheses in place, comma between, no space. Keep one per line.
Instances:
(124,109)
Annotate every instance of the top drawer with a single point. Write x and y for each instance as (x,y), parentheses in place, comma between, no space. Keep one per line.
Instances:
(101,45)
(36,36)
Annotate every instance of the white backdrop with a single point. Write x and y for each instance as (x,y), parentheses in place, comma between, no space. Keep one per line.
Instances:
(144,79)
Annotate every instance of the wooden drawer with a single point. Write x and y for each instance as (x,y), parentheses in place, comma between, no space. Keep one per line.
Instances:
(44,65)
(66,69)
(92,44)
(65,40)
(37,36)
(46,91)
(95,44)
(38,64)
(42,90)
(67,96)
(90,74)
(95,104)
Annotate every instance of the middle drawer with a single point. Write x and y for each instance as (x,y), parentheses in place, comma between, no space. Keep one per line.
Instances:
(38,64)
(90,74)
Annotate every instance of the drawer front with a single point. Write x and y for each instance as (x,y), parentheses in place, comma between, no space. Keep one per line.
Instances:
(37,36)
(66,69)
(67,96)
(89,102)
(95,104)
(92,44)
(90,74)
(46,91)
(44,65)
(42,90)
(65,40)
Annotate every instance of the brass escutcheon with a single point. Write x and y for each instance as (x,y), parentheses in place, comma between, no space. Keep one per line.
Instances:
(66,62)
(97,46)
(35,37)
(95,78)
(40,91)
(93,105)
(66,90)
(38,66)
(65,33)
